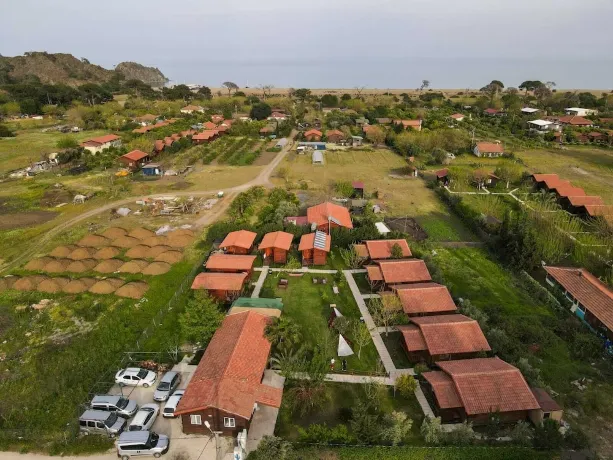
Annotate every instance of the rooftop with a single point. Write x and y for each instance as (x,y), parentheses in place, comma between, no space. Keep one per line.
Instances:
(219,281)
(490,147)
(230,262)
(240,239)
(135,155)
(318,240)
(279,240)
(382,249)
(400,271)
(421,298)
(324,212)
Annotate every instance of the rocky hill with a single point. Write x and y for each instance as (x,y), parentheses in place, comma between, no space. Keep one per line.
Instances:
(65,68)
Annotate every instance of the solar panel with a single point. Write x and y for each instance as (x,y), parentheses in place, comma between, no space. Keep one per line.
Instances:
(320,240)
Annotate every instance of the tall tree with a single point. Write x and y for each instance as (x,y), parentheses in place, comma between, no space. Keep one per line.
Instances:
(230,86)
(361,336)
(200,319)
(425,84)
(260,111)
(375,135)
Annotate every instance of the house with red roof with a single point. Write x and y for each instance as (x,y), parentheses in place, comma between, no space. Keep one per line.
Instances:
(134,159)
(159,145)
(494,112)
(457,117)
(275,246)
(222,286)
(230,263)
(315,248)
(488,149)
(412,124)
(217,118)
(474,389)
(209,125)
(313,135)
(423,299)
(238,242)
(574,120)
(98,144)
(443,337)
(591,300)
(277,116)
(205,137)
(546,181)
(335,136)
(403,271)
(230,384)
(328,215)
(382,249)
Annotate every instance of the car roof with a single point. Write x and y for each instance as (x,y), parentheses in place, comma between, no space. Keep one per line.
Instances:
(98,415)
(142,414)
(168,376)
(133,370)
(106,399)
(174,399)
(134,436)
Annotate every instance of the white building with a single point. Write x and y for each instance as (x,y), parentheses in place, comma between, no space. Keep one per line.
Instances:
(189,109)
(544,126)
(579,112)
(529,110)
(98,144)
(488,149)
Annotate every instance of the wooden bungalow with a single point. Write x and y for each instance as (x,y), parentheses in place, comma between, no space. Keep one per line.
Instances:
(222,286)
(382,249)
(424,299)
(230,263)
(276,245)
(239,242)
(134,159)
(391,272)
(315,248)
(328,215)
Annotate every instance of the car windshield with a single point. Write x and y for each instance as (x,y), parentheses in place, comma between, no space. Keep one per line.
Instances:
(142,373)
(153,439)
(110,421)
(164,386)
(122,403)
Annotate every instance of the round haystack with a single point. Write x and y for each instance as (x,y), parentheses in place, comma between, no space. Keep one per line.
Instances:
(9,281)
(38,264)
(125,242)
(61,282)
(57,265)
(155,241)
(133,266)
(179,241)
(108,266)
(80,266)
(139,251)
(106,253)
(157,250)
(156,268)
(114,232)
(134,290)
(181,232)
(171,257)
(78,285)
(29,283)
(63,251)
(94,241)
(106,286)
(48,285)
(141,233)
(81,253)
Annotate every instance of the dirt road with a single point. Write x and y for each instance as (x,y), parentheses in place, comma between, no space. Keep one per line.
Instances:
(262,179)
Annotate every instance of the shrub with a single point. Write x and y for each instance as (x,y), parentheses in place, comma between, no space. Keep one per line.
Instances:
(548,435)
(462,435)
(316,433)
(431,430)
(420,368)
(406,384)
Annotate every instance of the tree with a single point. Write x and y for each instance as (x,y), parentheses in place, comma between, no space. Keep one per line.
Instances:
(266,90)
(530,85)
(364,424)
(200,319)
(205,92)
(260,111)
(358,91)
(361,336)
(508,172)
(342,324)
(310,393)
(67,142)
(351,258)
(397,427)
(462,435)
(345,97)
(329,100)
(283,331)
(425,84)
(302,94)
(548,436)
(396,251)
(479,176)
(230,86)
(431,430)
(521,434)
(5,131)
(406,385)
(386,309)
(10,109)
(375,135)
(273,447)
(492,89)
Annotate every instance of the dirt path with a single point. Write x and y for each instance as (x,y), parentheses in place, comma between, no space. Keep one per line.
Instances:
(262,179)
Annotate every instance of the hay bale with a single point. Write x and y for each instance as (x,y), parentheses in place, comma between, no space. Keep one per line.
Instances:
(106,253)
(114,233)
(134,290)
(48,285)
(133,266)
(171,257)
(38,264)
(108,266)
(141,233)
(63,251)
(81,253)
(107,286)
(9,281)
(179,241)
(77,286)
(181,232)
(29,283)
(94,241)
(81,266)
(156,268)
(125,242)
(157,250)
(155,241)
(61,282)
(139,251)
(57,265)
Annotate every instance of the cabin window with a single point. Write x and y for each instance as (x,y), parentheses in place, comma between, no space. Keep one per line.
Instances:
(229,422)
(581,307)
(195,419)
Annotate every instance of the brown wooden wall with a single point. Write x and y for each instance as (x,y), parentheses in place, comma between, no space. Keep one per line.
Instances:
(319,257)
(215,418)
(279,256)
(237,250)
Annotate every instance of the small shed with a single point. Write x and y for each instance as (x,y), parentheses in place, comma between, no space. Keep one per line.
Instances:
(382,228)
(275,245)
(238,242)
(152,169)
(318,157)
(358,189)
(134,159)
(357,141)
(548,407)
(315,248)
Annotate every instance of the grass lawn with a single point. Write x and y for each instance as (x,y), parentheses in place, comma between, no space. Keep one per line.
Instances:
(361,279)
(342,399)
(393,342)
(308,305)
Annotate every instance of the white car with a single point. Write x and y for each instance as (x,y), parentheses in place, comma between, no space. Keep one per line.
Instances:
(136,377)
(144,418)
(172,403)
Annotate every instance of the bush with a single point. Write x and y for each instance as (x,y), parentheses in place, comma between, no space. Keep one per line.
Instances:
(548,436)
(316,433)
(5,131)
(406,385)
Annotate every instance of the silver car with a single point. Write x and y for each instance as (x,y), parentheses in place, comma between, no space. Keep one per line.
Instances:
(144,418)
(171,405)
(118,404)
(101,422)
(168,384)
(141,443)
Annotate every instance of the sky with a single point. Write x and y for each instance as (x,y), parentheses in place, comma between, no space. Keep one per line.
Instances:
(328,43)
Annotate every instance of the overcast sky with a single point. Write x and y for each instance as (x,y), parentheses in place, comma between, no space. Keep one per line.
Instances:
(200,41)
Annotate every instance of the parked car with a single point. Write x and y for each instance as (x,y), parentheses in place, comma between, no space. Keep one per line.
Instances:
(101,422)
(168,384)
(172,403)
(118,404)
(139,443)
(136,377)
(144,418)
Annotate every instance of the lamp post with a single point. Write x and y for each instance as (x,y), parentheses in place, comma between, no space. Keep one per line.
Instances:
(214,433)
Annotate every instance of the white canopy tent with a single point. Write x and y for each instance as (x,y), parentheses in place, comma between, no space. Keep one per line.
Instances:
(343,347)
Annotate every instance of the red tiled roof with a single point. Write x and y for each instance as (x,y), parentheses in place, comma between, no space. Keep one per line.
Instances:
(442,173)
(492,111)
(204,135)
(588,290)
(374,273)
(424,298)
(360,250)
(583,200)
(159,145)
(382,249)
(240,239)
(142,130)
(455,116)
(219,281)
(229,374)
(487,385)
(595,210)
(413,338)
(490,147)
(169,140)
(404,271)
(575,121)
(334,132)
(568,190)
(279,240)
(135,155)
(312,132)
(451,334)
(209,125)
(548,179)
(101,139)
(308,242)
(444,389)
(545,401)
(229,261)
(297,220)
(408,123)
(358,185)
(320,213)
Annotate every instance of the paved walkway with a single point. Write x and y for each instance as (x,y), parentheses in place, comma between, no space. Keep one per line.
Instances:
(260,282)
(371,296)
(383,330)
(297,270)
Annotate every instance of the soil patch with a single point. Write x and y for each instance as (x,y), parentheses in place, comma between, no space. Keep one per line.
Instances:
(180,232)
(141,233)
(54,196)
(79,285)
(106,253)
(82,253)
(179,241)
(156,241)
(114,232)
(156,268)
(182,185)
(134,290)
(171,257)
(107,286)
(125,242)
(57,265)
(63,251)
(264,158)
(94,241)
(25,219)
(81,266)
(133,266)
(48,285)
(157,250)
(406,225)
(109,266)
(138,252)
(38,264)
